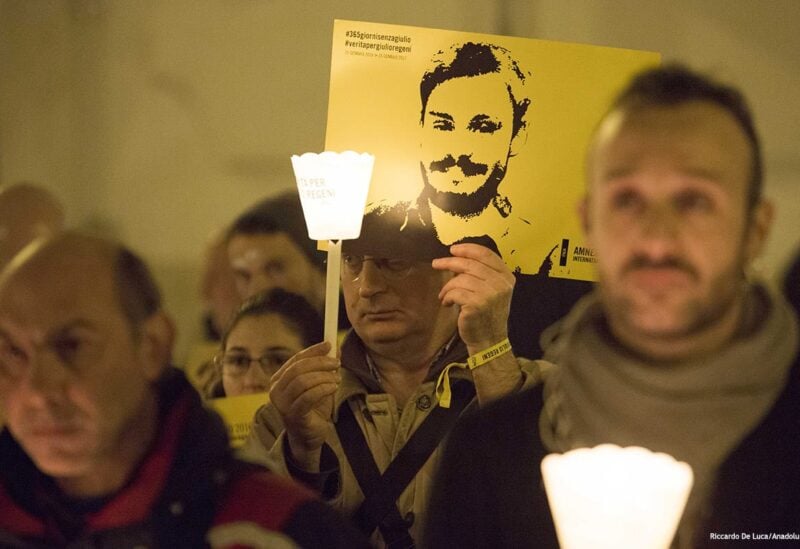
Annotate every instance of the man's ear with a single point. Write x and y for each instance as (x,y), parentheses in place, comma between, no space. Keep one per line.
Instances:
(758,230)
(155,346)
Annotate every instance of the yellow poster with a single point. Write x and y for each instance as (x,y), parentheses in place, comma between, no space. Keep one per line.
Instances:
(478,137)
(237,412)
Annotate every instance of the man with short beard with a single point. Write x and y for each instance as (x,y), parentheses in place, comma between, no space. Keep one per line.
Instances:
(676,351)
(473,110)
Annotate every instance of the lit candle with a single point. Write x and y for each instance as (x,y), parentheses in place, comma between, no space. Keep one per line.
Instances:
(333,190)
(612,497)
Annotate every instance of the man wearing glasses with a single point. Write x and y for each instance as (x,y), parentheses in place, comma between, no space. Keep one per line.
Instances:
(429,339)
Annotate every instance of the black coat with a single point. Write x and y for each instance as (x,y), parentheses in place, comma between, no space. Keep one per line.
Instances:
(188,484)
(489,491)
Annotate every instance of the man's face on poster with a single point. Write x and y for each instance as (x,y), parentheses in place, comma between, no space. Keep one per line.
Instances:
(466,141)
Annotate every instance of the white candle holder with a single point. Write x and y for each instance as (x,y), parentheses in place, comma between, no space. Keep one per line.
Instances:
(611,497)
(333,190)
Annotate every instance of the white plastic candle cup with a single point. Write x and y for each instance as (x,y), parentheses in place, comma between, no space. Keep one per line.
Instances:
(333,191)
(613,497)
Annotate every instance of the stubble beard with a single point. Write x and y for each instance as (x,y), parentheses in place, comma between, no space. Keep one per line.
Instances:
(679,322)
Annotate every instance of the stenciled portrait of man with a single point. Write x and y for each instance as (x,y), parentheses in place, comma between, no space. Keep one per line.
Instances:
(473,113)
(472,119)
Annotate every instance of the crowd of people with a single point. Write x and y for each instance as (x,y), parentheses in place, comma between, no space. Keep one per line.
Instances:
(426,428)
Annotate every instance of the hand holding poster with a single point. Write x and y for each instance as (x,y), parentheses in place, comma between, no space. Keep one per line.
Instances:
(476,137)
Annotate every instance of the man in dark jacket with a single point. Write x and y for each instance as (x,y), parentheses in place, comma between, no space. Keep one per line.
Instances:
(105,444)
(676,351)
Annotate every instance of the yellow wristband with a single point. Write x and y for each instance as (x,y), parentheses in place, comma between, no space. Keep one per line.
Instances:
(479,359)
(443,392)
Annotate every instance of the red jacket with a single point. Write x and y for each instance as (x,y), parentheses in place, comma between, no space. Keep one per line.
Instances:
(189,491)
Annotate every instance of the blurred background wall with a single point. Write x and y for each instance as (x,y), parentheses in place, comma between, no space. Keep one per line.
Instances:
(158,121)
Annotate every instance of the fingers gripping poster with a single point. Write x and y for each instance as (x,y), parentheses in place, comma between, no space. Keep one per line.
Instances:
(476,137)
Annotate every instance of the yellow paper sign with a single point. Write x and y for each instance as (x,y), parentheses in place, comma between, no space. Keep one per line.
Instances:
(475,135)
(237,413)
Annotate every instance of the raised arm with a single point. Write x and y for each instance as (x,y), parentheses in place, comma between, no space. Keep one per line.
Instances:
(482,288)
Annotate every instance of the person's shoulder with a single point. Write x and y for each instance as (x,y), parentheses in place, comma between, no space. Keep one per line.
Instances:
(489,444)
(515,413)
(524,401)
(259,495)
(263,509)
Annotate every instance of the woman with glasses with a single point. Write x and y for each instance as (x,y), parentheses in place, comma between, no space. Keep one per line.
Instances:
(266,331)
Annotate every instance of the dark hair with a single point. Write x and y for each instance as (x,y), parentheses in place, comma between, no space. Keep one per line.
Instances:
(282,213)
(298,313)
(136,288)
(474,59)
(675,84)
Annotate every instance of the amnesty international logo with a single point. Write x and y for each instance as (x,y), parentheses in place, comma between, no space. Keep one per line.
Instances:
(582,254)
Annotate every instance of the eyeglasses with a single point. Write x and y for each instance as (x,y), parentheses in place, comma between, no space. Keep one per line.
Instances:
(237,364)
(392,268)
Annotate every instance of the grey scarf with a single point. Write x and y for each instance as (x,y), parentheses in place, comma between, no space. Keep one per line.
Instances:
(695,410)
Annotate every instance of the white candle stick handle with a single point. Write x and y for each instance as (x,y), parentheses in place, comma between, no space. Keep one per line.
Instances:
(332,295)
